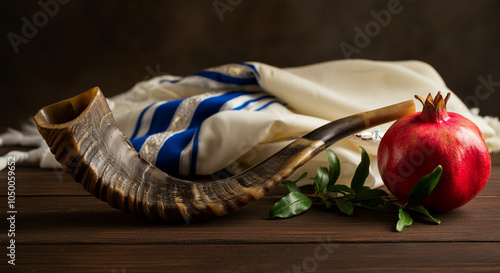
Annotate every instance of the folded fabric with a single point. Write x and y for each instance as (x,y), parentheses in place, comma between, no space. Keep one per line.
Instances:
(225,119)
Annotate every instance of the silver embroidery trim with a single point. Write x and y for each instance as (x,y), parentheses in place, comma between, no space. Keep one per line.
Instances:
(180,121)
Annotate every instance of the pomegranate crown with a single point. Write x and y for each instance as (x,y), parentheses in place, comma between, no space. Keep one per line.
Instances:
(434,109)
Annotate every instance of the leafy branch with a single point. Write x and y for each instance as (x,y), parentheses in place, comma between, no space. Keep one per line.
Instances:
(346,198)
(422,189)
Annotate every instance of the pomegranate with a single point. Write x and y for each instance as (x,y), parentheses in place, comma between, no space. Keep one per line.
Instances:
(415,144)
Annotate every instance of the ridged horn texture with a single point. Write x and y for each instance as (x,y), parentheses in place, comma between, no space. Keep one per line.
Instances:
(84,138)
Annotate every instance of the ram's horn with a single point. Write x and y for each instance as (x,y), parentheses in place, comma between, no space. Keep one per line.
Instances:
(84,138)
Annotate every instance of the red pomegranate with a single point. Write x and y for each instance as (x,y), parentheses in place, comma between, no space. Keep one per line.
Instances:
(417,143)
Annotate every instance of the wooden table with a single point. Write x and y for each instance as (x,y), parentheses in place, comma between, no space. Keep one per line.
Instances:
(61,228)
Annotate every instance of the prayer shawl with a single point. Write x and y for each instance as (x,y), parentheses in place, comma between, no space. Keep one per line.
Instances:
(225,119)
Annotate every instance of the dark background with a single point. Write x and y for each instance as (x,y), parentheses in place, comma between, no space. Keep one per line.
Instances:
(114,44)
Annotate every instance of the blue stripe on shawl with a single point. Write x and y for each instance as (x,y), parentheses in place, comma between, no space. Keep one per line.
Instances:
(161,120)
(169,155)
(250,101)
(139,121)
(223,78)
(218,77)
(138,142)
(194,155)
(163,116)
(251,66)
(266,105)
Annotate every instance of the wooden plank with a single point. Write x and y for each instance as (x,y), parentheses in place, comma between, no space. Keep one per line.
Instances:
(50,220)
(321,256)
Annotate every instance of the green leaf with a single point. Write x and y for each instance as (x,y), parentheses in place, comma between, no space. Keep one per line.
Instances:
(345,207)
(405,220)
(364,188)
(369,194)
(321,180)
(292,204)
(425,212)
(339,188)
(301,177)
(326,200)
(425,186)
(333,167)
(362,171)
(377,205)
(349,196)
(292,185)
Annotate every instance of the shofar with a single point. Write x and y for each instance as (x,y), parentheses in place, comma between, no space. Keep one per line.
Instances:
(84,138)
